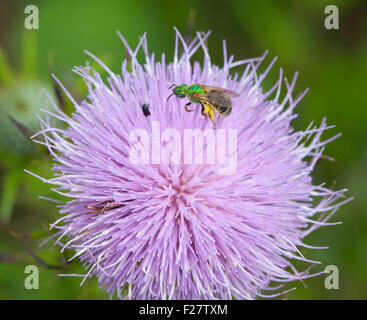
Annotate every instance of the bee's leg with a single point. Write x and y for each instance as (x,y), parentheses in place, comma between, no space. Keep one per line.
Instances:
(211,113)
(186,105)
(203,111)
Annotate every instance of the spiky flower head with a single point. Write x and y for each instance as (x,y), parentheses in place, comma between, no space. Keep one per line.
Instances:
(153,226)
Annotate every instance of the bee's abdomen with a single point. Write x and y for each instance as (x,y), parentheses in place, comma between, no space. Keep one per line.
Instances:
(221,102)
(225,109)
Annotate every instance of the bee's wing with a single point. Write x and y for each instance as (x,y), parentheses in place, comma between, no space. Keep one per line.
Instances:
(220,101)
(231,93)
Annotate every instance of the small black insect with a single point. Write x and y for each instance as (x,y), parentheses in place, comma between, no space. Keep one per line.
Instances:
(145,108)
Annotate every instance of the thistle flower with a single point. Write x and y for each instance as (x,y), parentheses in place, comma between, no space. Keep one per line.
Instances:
(178,230)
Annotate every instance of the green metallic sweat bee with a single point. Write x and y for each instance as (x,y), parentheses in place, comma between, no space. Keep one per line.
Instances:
(211,99)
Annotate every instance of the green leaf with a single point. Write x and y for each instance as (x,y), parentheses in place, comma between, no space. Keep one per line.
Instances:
(22,102)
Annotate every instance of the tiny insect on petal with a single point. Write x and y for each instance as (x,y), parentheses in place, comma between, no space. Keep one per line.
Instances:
(145,108)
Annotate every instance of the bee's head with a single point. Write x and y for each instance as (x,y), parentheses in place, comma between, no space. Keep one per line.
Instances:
(180,91)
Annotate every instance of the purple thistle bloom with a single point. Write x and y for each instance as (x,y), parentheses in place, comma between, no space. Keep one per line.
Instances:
(184,231)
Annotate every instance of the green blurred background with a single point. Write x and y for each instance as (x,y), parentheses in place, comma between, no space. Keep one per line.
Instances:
(332,63)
